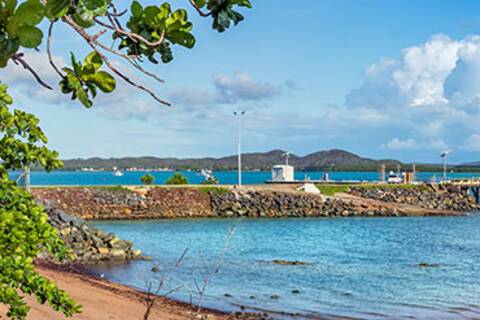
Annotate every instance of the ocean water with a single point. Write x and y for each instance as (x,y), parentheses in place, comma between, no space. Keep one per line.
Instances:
(362,268)
(224,177)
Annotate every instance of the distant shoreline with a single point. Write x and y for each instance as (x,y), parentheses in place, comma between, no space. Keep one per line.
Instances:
(438,170)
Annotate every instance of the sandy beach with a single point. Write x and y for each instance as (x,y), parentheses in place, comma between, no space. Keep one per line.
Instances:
(105,300)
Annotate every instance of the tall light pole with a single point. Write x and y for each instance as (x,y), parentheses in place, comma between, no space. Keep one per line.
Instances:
(444,156)
(287,155)
(239,115)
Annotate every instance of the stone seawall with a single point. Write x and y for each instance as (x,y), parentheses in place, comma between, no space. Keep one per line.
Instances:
(192,202)
(121,203)
(265,204)
(422,196)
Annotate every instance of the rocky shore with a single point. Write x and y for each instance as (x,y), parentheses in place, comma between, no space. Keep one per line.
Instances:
(264,204)
(88,244)
(423,196)
(114,203)
(119,203)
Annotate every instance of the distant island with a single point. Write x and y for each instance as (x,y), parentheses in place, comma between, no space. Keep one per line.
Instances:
(327,160)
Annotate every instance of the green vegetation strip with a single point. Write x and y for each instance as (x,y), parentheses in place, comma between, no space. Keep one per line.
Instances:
(215,190)
(331,189)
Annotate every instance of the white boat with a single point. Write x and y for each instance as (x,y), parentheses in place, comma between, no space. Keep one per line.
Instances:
(117,172)
(207,174)
(394,178)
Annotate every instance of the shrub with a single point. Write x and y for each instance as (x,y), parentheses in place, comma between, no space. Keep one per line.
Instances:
(211,180)
(215,190)
(147,179)
(177,179)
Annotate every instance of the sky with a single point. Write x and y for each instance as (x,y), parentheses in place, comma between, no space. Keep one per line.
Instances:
(383,79)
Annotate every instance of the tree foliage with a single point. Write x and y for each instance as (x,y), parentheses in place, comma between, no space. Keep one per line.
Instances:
(147,179)
(177,179)
(136,34)
(24,227)
(210,180)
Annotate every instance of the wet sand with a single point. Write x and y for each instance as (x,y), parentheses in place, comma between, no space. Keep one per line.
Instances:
(104,300)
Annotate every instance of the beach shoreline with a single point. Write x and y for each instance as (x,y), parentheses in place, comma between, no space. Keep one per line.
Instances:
(103,299)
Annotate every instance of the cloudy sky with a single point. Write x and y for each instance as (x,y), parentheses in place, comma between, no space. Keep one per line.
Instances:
(396,79)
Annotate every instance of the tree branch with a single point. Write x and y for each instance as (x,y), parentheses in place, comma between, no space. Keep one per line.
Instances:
(93,44)
(18,59)
(49,50)
(200,12)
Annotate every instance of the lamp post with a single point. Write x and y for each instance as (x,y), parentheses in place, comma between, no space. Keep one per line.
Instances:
(287,155)
(239,115)
(444,156)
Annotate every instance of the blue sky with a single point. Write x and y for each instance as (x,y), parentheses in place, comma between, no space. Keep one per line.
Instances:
(384,79)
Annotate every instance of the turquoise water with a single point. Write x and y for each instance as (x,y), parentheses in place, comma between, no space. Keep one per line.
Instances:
(224,177)
(358,267)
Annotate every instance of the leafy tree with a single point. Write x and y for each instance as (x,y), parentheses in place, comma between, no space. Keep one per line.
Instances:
(147,179)
(137,34)
(177,179)
(24,227)
(210,180)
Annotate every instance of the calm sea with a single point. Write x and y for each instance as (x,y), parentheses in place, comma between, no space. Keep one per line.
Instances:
(224,177)
(357,267)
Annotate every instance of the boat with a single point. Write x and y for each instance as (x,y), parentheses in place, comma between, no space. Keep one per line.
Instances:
(207,174)
(117,172)
(394,178)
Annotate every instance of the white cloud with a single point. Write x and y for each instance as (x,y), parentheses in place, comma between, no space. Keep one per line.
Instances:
(229,90)
(24,85)
(425,69)
(472,143)
(411,144)
(397,144)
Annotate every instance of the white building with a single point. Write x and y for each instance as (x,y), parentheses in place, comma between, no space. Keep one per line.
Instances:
(283,173)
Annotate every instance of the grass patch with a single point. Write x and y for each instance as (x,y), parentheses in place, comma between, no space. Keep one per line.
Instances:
(331,189)
(394,186)
(112,188)
(388,186)
(215,190)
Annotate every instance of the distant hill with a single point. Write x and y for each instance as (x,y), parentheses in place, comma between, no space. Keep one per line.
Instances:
(470,164)
(337,160)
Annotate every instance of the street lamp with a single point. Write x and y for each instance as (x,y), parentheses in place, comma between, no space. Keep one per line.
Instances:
(444,156)
(239,115)
(287,156)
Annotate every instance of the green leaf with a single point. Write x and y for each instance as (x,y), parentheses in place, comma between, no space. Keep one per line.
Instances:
(94,59)
(200,3)
(94,4)
(29,36)
(136,9)
(30,12)
(182,38)
(57,8)
(104,81)
(75,64)
(84,19)
(83,97)
(10,5)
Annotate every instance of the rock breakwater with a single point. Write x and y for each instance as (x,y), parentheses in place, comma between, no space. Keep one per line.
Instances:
(88,244)
(192,202)
(268,204)
(112,203)
(421,196)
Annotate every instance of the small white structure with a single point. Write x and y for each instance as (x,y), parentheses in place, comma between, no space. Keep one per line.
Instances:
(309,188)
(283,173)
